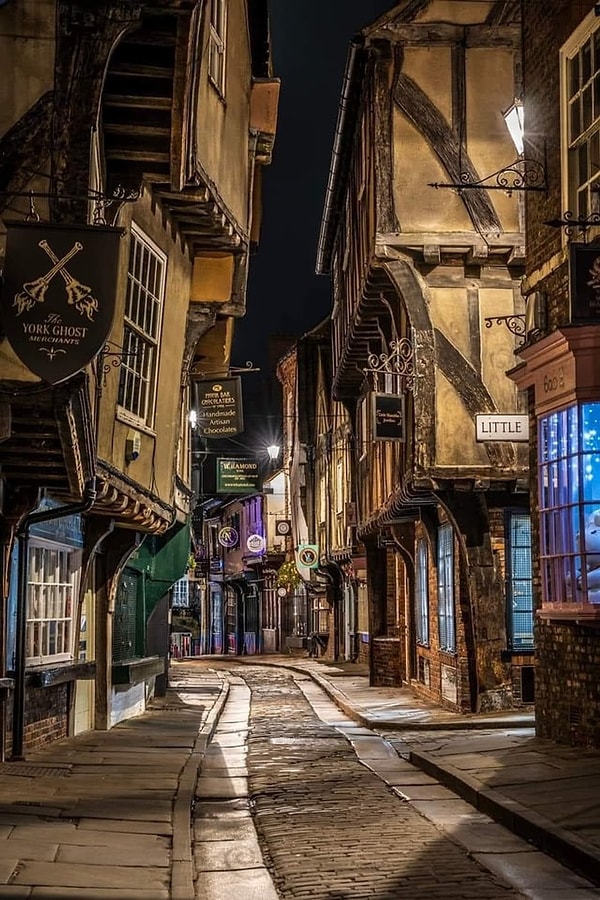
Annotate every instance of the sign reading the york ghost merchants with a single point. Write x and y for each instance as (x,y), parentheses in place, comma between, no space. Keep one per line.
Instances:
(502,428)
(388,417)
(237,476)
(584,263)
(58,297)
(218,405)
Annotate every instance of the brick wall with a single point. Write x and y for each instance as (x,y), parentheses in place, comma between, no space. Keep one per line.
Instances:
(568,684)
(46,716)
(386,666)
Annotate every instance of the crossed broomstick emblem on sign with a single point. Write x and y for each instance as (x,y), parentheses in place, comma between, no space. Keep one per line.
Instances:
(78,295)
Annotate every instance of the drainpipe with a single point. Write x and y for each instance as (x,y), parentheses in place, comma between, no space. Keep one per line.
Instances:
(18,730)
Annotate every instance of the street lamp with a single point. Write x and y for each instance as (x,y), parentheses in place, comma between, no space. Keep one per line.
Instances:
(514,118)
(273,451)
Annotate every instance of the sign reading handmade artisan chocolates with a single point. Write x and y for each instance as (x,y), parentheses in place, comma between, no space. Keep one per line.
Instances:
(237,476)
(58,296)
(218,405)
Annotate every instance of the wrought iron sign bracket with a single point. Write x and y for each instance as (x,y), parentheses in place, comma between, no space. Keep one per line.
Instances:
(523,174)
(571,223)
(515,324)
(117,357)
(233,370)
(400,362)
(100,200)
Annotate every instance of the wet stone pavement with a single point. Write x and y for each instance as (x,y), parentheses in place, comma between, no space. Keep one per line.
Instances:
(305,818)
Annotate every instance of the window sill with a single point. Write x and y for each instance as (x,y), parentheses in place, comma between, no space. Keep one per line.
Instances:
(129,418)
(133,671)
(47,676)
(509,655)
(579,614)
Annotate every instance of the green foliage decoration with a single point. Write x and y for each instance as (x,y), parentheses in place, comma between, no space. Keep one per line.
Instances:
(288,575)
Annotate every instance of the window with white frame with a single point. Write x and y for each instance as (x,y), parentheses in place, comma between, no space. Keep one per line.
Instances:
(217,43)
(581,79)
(422,594)
(141,334)
(52,590)
(180,598)
(445,566)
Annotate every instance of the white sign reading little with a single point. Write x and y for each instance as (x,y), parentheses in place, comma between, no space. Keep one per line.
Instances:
(502,428)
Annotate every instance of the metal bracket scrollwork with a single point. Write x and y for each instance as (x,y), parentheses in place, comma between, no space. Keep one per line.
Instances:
(102,202)
(515,324)
(520,175)
(197,371)
(400,361)
(572,223)
(117,357)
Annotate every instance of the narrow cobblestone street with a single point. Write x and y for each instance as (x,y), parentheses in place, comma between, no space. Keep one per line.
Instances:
(330,813)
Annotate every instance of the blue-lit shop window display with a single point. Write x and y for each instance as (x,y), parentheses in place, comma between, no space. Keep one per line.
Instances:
(569,494)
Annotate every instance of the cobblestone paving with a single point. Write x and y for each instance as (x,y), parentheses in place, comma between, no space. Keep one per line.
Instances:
(330,828)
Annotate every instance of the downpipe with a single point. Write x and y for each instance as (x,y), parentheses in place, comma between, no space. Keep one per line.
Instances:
(47,515)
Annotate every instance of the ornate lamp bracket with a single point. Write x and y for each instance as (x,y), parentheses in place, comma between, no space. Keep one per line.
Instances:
(521,175)
(400,362)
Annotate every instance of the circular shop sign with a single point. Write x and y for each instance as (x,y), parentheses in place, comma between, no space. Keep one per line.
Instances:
(283,527)
(308,556)
(228,537)
(255,543)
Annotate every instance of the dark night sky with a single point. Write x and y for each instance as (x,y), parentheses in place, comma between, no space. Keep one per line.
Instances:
(310,41)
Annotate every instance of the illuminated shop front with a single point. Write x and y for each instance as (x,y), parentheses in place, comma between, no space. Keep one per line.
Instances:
(565,377)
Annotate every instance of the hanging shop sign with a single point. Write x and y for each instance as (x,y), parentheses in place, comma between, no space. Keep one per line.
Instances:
(255,543)
(58,296)
(584,265)
(388,417)
(502,428)
(308,555)
(237,476)
(218,407)
(283,527)
(228,537)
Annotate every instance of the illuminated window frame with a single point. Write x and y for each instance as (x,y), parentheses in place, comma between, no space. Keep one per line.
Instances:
(569,503)
(445,566)
(422,594)
(519,586)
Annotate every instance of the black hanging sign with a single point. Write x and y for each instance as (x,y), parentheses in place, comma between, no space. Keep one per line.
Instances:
(218,405)
(585,282)
(58,296)
(388,417)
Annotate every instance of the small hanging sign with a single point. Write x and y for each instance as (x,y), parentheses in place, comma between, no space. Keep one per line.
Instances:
(388,417)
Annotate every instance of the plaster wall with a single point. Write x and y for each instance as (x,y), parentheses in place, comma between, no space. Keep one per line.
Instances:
(27,46)
(222,122)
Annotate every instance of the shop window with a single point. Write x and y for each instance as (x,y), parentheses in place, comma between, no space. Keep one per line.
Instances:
(519,591)
(52,591)
(569,500)
(422,594)
(141,332)
(581,85)
(445,566)
(216,44)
